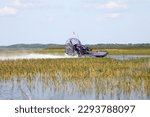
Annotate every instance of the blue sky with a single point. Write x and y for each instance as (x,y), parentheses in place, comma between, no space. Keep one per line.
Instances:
(95,21)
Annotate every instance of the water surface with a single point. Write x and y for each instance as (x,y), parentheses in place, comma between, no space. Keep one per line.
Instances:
(50,89)
(58,56)
(127,57)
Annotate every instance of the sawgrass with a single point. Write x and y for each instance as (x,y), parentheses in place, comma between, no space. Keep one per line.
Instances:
(101,75)
(104,74)
(76,68)
(126,51)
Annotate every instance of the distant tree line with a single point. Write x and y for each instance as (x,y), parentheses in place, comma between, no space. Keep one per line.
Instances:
(147,45)
(47,46)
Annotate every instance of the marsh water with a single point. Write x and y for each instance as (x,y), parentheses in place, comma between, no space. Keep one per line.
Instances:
(59,56)
(44,87)
(127,57)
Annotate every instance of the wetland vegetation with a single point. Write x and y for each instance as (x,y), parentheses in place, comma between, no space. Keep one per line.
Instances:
(112,51)
(76,78)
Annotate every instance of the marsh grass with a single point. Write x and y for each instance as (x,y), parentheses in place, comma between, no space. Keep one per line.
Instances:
(112,51)
(76,68)
(102,77)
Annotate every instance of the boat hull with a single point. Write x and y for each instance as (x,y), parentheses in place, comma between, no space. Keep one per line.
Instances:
(99,54)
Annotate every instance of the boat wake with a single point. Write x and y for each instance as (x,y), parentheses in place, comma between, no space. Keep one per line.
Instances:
(35,56)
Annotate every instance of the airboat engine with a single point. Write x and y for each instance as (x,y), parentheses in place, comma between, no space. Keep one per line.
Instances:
(74,47)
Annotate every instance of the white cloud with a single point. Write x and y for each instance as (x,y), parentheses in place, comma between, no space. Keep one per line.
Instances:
(110,9)
(109,16)
(13,6)
(8,11)
(111,5)
(22,3)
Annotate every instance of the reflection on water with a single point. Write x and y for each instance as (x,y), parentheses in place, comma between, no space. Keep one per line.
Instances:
(90,88)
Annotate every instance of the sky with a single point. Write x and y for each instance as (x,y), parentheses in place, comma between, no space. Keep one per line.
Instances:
(93,21)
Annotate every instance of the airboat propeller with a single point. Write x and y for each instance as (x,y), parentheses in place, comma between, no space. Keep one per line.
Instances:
(74,47)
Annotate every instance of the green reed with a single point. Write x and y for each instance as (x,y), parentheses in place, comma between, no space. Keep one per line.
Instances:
(98,75)
(76,68)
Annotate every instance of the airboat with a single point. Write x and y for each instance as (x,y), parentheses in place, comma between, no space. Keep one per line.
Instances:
(73,47)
